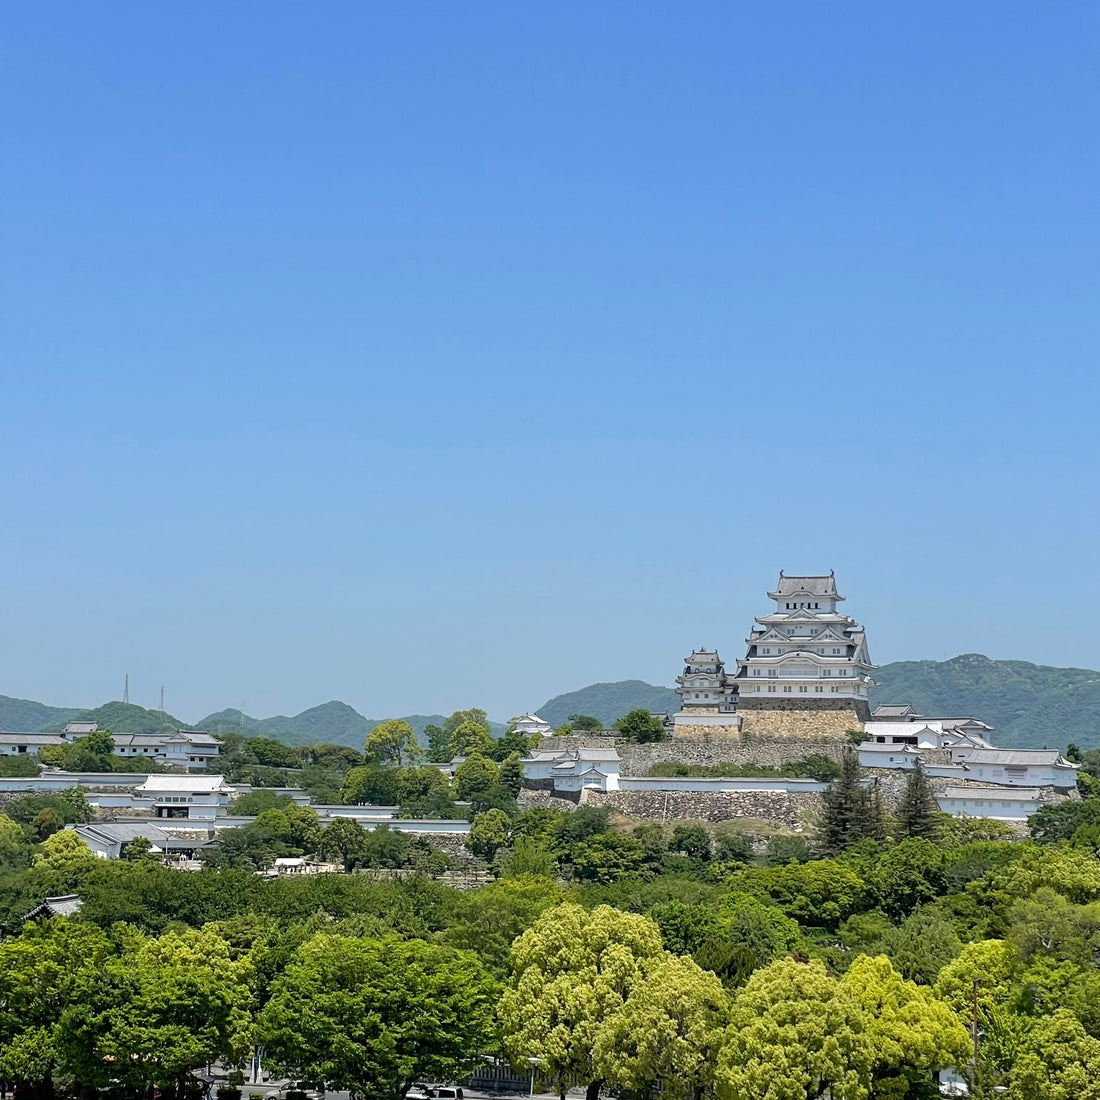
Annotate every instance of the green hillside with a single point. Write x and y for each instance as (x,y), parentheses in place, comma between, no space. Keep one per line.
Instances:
(27,716)
(609,701)
(1028,705)
(123,718)
(335,722)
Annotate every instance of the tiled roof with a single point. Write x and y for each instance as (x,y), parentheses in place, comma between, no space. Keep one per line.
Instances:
(1014,794)
(185,783)
(812,586)
(1011,757)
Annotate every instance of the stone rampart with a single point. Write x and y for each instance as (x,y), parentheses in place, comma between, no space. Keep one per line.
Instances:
(796,717)
(770,752)
(725,732)
(778,809)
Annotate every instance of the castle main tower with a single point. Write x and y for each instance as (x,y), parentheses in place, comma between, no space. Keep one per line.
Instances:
(807,672)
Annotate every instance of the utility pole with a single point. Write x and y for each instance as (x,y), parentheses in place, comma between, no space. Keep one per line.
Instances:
(974,1033)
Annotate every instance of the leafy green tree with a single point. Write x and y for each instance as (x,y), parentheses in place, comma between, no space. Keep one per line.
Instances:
(529,857)
(270,753)
(63,851)
(1057,1061)
(692,841)
(922,945)
(424,792)
(439,744)
(158,1011)
(46,822)
(794,1034)
(570,972)
(305,828)
(15,848)
(786,849)
(733,848)
(821,892)
(345,838)
(908,1031)
(918,815)
(585,723)
(138,848)
(475,715)
(1061,820)
(471,738)
(258,802)
(393,743)
(908,875)
(474,777)
(489,919)
(607,857)
(983,977)
(511,774)
(668,1031)
(371,785)
(581,824)
(640,726)
(488,833)
(39,975)
(763,929)
(375,1016)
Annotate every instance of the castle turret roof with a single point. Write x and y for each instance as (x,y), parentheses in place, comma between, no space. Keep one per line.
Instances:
(809,586)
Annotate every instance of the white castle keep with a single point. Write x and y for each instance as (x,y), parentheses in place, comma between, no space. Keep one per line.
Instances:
(806,672)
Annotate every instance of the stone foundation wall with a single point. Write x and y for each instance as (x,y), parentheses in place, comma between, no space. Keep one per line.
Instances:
(778,809)
(765,751)
(723,732)
(798,717)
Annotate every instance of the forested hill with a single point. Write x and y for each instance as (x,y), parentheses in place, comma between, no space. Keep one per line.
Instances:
(609,701)
(1029,706)
(333,722)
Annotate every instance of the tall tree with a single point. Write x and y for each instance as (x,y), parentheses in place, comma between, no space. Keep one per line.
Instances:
(393,743)
(439,744)
(918,815)
(794,1034)
(157,1012)
(639,725)
(40,972)
(345,838)
(511,774)
(848,816)
(570,971)
(668,1031)
(470,737)
(909,1032)
(374,1016)
(1058,1061)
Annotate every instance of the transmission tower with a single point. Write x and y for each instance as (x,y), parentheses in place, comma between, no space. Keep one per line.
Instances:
(126,689)
(162,699)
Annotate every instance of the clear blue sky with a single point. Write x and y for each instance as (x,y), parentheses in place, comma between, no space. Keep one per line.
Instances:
(436,355)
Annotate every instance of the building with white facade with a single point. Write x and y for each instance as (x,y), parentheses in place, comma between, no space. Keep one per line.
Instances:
(902,725)
(807,671)
(1016,767)
(708,697)
(572,769)
(109,839)
(184,796)
(190,749)
(531,724)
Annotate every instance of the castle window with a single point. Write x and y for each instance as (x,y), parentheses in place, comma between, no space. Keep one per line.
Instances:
(771,687)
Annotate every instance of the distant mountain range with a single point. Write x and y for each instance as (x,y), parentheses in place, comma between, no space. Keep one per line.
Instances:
(1029,706)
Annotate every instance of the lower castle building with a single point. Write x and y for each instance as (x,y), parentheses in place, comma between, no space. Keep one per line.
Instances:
(806,673)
